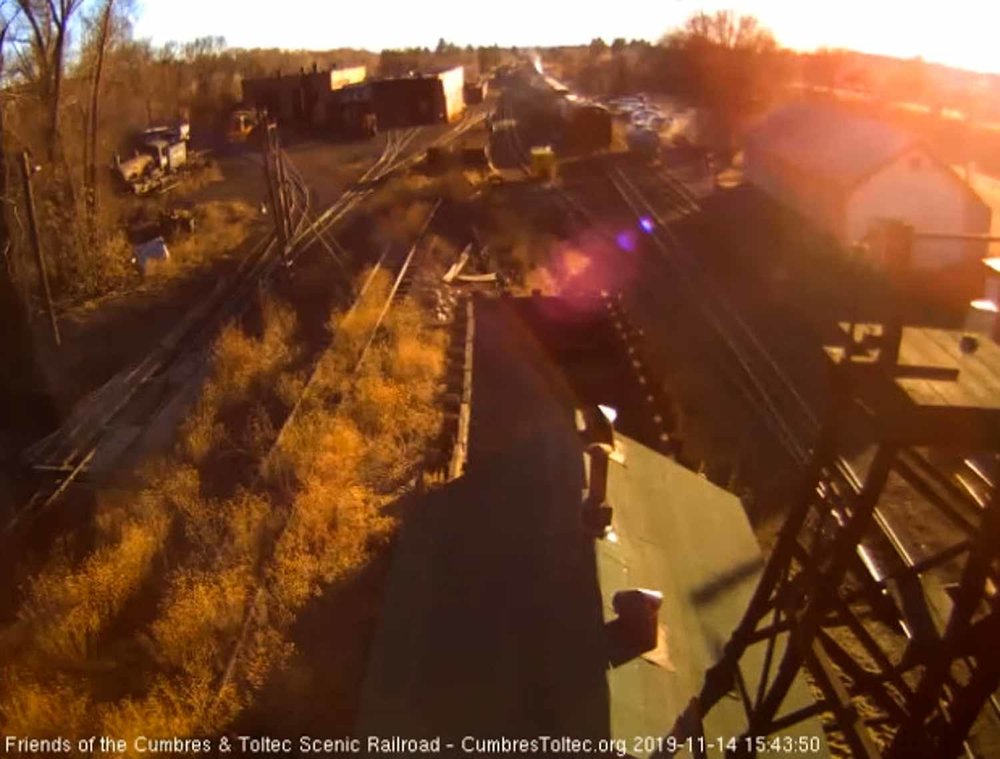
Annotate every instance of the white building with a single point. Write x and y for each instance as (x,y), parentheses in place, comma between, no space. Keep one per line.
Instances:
(845,173)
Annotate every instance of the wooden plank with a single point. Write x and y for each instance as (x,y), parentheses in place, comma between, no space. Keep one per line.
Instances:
(916,350)
(975,387)
(981,368)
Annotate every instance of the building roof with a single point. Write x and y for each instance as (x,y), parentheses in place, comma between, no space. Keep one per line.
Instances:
(825,141)
(495,616)
(839,147)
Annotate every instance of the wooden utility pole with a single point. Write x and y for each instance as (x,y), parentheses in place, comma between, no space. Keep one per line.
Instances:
(286,213)
(269,175)
(29,199)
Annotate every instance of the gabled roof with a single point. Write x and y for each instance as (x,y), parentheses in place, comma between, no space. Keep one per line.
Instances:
(830,143)
(839,147)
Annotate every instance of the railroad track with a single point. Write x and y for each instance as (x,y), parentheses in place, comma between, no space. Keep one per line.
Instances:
(507,124)
(403,264)
(885,555)
(66,455)
(93,430)
(396,156)
(887,562)
(83,435)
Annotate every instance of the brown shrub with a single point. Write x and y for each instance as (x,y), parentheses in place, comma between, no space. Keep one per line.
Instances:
(220,227)
(56,708)
(245,371)
(176,706)
(330,534)
(201,617)
(67,607)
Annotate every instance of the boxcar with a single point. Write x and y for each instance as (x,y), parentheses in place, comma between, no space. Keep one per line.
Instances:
(587,128)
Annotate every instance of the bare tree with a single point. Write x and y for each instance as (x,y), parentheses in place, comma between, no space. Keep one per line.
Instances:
(732,65)
(49,22)
(7,19)
(727,30)
(101,44)
(24,406)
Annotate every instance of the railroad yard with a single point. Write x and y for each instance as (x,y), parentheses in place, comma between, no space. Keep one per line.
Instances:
(510,419)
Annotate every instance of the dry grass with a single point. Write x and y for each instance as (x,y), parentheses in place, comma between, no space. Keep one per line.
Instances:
(351,451)
(246,370)
(348,454)
(196,180)
(55,708)
(354,448)
(68,607)
(221,226)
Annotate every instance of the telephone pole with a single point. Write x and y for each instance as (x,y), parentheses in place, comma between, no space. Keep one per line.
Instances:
(274,191)
(29,199)
(286,213)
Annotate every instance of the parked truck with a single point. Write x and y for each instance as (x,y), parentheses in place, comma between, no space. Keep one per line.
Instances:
(159,155)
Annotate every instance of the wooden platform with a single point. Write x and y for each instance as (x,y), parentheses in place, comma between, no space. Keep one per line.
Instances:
(957,402)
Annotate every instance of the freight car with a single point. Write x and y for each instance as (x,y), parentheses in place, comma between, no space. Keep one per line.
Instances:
(586,126)
(574,124)
(474,92)
(643,141)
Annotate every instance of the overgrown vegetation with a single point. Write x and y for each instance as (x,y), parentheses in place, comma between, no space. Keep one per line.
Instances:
(157,540)
(210,562)
(221,226)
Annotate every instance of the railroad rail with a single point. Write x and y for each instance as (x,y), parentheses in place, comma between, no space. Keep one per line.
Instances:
(395,157)
(404,265)
(887,563)
(64,456)
(764,384)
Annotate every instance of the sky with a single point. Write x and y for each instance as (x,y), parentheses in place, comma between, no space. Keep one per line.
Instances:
(959,33)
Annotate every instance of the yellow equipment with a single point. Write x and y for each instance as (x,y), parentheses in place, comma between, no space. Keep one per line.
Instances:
(241,124)
(543,162)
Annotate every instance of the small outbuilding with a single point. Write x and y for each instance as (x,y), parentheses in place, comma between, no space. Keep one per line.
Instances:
(302,97)
(847,174)
(350,111)
(430,98)
(474,92)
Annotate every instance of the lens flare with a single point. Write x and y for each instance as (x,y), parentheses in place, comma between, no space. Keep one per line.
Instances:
(646,223)
(626,240)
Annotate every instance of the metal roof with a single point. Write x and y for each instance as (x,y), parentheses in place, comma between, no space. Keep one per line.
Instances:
(496,609)
(677,533)
(830,143)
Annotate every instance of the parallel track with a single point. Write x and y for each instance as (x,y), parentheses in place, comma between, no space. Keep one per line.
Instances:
(395,157)
(885,554)
(404,269)
(63,457)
